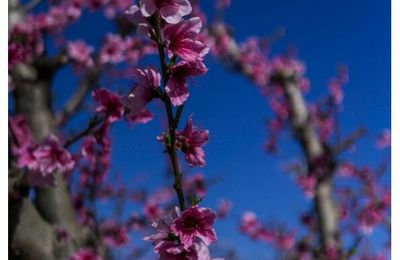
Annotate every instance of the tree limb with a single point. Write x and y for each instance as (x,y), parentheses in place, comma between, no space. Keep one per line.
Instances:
(77,98)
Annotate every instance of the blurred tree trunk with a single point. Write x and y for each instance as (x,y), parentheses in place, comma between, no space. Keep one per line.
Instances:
(31,231)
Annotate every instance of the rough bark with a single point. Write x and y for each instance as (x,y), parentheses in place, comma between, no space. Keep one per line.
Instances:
(313,149)
(31,231)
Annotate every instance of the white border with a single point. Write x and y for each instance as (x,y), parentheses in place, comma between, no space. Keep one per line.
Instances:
(395,169)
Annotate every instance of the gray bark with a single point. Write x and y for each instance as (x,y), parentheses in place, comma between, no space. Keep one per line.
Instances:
(31,230)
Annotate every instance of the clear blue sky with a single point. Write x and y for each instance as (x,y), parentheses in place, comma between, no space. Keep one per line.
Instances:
(326,33)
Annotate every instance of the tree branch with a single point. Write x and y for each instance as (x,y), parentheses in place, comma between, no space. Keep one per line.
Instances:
(76,100)
(305,133)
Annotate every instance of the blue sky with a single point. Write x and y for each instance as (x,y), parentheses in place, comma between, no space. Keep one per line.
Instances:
(326,34)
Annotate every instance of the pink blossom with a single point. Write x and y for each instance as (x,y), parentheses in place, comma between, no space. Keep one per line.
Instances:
(180,40)
(16,54)
(115,6)
(347,170)
(44,161)
(88,150)
(253,60)
(171,11)
(280,108)
(284,240)
(152,211)
(307,183)
(222,4)
(109,103)
(195,185)
(194,226)
(80,53)
(371,216)
(52,157)
(224,207)
(331,252)
(325,127)
(136,16)
(141,94)
(170,250)
(20,131)
(195,222)
(288,65)
(113,234)
(190,141)
(177,86)
(27,158)
(85,254)
(112,50)
(336,92)
(163,232)
(384,139)
(249,223)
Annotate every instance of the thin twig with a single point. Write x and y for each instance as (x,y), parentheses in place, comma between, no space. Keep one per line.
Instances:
(172,122)
(77,98)
(349,141)
(92,124)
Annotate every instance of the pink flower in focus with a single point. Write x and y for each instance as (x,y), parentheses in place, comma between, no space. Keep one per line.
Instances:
(108,103)
(171,11)
(195,222)
(177,86)
(180,40)
(141,94)
(136,16)
(191,140)
(80,52)
(112,50)
(170,250)
(85,254)
(163,232)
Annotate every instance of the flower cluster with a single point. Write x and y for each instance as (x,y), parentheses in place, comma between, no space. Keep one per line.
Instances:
(252,227)
(181,39)
(80,53)
(42,160)
(190,140)
(109,103)
(113,234)
(186,236)
(85,254)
